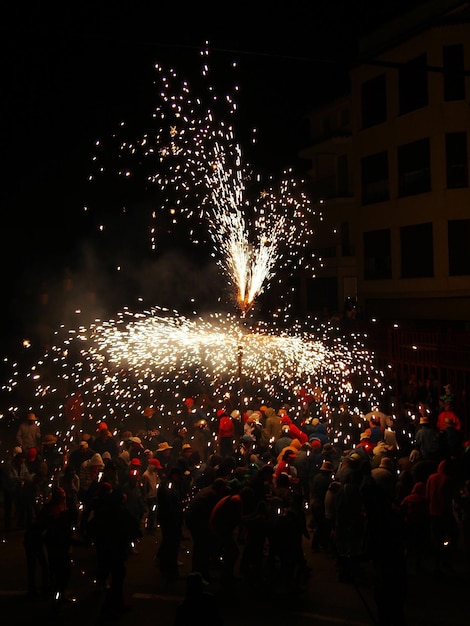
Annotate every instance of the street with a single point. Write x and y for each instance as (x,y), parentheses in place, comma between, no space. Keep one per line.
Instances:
(325,601)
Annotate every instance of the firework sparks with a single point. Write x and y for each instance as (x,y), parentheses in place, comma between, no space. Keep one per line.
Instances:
(192,157)
(256,227)
(118,366)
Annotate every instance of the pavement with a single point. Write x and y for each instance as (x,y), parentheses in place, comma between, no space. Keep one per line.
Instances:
(325,601)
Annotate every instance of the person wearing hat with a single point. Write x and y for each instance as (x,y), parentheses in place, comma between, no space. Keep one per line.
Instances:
(187,461)
(225,434)
(285,465)
(137,451)
(106,441)
(56,520)
(448,416)
(33,460)
(295,431)
(273,425)
(385,477)
(164,454)
(89,477)
(180,437)
(80,453)
(191,413)
(28,434)
(133,492)
(150,485)
(283,440)
(51,454)
(426,444)
(319,486)
(170,517)
(203,441)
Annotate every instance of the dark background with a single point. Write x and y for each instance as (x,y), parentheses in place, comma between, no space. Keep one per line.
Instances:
(71,72)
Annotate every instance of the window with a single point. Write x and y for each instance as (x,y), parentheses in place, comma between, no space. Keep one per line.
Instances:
(454,72)
(413,85)
(417,251)
(374,102)
(343,176)
(414,169)
(374,178)
(377,255)
(322,292)
(458,234)
(346,247)
(456,160)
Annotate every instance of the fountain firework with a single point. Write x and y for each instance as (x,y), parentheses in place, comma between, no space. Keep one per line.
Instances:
(256,225)
(157,356)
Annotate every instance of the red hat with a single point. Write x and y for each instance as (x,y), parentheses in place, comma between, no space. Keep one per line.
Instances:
(189,401)
(156,463)
(221,412)
(102,426)
(136,462)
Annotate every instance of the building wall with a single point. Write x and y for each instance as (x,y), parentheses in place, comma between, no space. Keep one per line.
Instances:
(439,296)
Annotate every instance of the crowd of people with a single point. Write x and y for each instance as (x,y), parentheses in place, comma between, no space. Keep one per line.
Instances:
(251,488)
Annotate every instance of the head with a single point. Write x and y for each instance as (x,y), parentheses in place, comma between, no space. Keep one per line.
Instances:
(49,440)
(186,450)
(19,458)
(164,448)
(95,465)
(32,455)
(102,429)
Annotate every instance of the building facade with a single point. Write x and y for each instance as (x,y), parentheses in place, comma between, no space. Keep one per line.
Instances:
(389,168)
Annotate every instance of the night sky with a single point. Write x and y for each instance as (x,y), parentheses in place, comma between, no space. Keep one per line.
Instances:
(70,74)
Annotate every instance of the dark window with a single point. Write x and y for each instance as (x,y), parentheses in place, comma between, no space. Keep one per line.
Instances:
(456,160)
(322,292)
(413,85)
(458,234)
(414,169)
(454,72)
(374,178)
(374,102)
(377,255)
(346,247)
(343,176)
(416,251)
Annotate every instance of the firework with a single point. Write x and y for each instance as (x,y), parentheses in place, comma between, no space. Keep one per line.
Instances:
(256,225)
(119,366)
